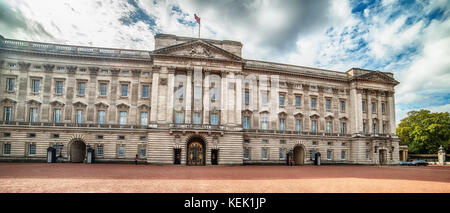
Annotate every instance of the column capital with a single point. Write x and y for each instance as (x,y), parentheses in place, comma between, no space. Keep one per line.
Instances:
(24,65)
(115,71)
(156,68)
(136,72)
(48,67)
(171,69)
(93,70)
(71,69)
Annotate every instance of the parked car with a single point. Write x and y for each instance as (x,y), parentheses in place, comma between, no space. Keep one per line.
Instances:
(405,163)
(419,163)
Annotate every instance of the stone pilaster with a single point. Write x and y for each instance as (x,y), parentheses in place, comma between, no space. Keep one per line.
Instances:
(223,98)
(170,94)
(239,96)
(206,97)
(154,101)
(188,100)
(391,111)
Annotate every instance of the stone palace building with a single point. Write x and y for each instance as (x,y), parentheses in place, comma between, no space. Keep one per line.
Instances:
(190,101)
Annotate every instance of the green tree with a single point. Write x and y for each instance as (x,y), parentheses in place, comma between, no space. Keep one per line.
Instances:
(424,132)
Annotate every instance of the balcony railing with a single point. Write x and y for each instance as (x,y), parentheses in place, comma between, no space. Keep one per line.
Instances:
(69,49)
(85,125)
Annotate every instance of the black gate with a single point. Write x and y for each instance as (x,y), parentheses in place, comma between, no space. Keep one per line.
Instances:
(177,156)
(214,156)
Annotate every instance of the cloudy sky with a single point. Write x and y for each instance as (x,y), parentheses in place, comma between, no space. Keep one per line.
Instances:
(409,38)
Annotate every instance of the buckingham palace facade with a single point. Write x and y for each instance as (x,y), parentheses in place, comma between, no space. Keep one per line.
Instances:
(190,101)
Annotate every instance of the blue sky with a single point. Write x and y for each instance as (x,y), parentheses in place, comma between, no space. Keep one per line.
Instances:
(409,38)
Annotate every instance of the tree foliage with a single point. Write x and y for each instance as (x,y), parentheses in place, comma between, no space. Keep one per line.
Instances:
(424,132)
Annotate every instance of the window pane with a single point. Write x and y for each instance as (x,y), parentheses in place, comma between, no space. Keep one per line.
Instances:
(101,117)
(313,103)
(121,151)
(81,88)
(57,116)
(282,124)
(144,118)
(124,90)
(123,118)
(59,87)
(264,123)
(79,116)
(281,100)
(197,118)
(246,122)
(179,117)
(180,91)
(247,97)
(36,84)
(314,126)
(214,119)
(145,91)
(197,93)
(328,104)
(6,149)
(100,151)
(298,125)
(264,98)
(103,88)
(8,113)
(10,84)
(33,115)
(32,150)
(246,153)
(297,101)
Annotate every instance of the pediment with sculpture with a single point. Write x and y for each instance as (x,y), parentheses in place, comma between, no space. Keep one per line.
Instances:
(198,49)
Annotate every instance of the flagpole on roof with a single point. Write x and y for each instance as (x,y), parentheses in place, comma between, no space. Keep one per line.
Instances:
(198,21)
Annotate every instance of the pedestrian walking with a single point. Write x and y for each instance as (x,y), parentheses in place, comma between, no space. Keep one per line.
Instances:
(135,159)
(290,161)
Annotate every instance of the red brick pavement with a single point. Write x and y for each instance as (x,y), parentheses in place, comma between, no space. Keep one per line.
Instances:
(41,177)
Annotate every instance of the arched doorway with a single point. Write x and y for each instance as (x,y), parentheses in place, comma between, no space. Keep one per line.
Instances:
(299,155)
(196,152)
(77,151)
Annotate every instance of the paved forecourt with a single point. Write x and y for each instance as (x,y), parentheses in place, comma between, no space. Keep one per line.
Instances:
(41,177)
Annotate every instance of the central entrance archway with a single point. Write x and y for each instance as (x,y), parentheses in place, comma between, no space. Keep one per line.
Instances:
(77,151)
(196,152)
(299,155)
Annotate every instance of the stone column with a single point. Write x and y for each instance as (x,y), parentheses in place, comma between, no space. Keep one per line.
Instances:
(154,101)
(23,89)
(170,94)
(206,97)
(188,106)
(239,97)
(441,156)
(92,94)
(369,112)
(112,109)
(197,105)
(355,111)
(391,107)
(47,85)
(223,98)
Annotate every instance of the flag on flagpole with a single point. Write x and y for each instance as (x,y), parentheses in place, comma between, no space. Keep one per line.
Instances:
(197,18)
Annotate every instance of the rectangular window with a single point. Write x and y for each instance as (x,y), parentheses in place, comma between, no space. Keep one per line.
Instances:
(312,152)
(342,155)
(246,122)
(214,119)
(32,135)
(57,115)
(81,88)
(363,106)
(214,94)
(367,155)
(179,117)
(282,142)
(374,107)
(101,116)
(80,116)
(342,106)
(145,89)
(198,93)
(374,128)
(6,149)
(281,100)
(99,151)
(142,152)
(264,153)
(197,118)
(264,141)
(6,134)
(180,91)
(103,89)
(10,84)
(343,130)
(99,137)
(143,138)
(264,123)
(329,127)
(144,118)
(247,97)
(59,87)
(124,90)
(282,155)
(384,128)
(313,103)
(329,155)
(121,151)
(298,101)
(328,104)
(246,153)
(33,114)
(123,118)
(314,126)
(32,149)
(298,125)
(383,108)
(121,137)
(282,124)
(264,98)
(364,128)
(35,85)
(8,114)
